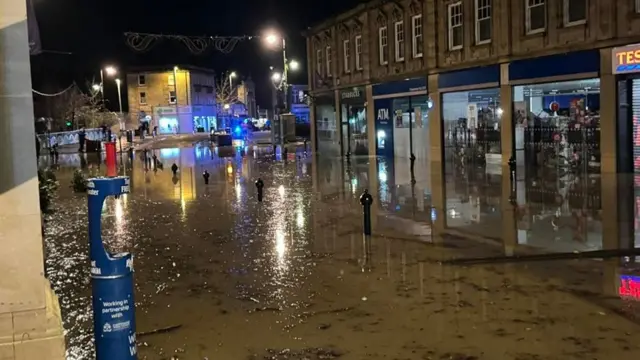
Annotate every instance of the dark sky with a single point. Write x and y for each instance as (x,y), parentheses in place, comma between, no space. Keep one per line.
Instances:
(93,32)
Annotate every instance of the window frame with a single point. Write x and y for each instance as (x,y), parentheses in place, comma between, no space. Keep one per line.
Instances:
(142,95)
(144,79)
(346,56)
(328,60)
(383,48)
(358,44)
(319,61)
(477,19)
(415,35)
(527,10)
(175,97)
(450,25)
(398,40)
(565,13)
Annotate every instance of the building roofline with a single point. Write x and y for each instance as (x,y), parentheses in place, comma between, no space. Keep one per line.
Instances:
(164,68)
(359,9)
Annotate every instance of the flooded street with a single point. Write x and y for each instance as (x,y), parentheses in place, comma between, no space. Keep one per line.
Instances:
(220,275)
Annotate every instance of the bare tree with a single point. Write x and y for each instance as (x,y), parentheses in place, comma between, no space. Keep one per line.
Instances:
(81,110)
(226,92)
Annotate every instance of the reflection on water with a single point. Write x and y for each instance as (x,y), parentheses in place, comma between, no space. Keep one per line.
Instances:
(293,273)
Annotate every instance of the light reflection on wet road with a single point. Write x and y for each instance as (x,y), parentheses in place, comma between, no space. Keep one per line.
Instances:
(290,278)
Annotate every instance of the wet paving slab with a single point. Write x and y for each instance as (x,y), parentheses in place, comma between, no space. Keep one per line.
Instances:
(220,275)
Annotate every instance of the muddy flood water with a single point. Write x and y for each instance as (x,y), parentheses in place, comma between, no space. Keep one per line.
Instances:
(220,275)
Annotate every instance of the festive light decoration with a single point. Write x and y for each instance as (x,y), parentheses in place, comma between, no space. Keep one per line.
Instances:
(197,45)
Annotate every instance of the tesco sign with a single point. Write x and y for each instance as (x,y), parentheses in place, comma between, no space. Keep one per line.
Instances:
(626,59)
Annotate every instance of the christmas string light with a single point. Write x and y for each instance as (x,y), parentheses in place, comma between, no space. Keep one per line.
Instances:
(197,45)
(54,94)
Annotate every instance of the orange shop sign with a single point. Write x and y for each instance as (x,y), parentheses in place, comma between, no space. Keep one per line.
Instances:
(626,59)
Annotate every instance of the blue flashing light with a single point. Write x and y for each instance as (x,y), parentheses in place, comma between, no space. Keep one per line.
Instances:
(237,130)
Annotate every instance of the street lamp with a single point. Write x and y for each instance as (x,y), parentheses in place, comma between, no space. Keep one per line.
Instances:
(276,77)
(120,102)
(96,87)
(294,65)
(231,76)
(272,39)
(111,71)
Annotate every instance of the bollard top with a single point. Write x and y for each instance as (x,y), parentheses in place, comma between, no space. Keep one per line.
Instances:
(366,198)
(259,183)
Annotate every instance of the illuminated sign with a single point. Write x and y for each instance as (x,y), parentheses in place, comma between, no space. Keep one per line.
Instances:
(626,59)
(629,287)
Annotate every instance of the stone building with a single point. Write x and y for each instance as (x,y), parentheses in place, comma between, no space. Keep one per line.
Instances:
(552,82)
(176,99)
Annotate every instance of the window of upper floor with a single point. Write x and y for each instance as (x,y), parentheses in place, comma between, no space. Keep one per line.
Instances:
(319,62)
(574,12)
(358,41)
(172,97)
(328,60)
(142,80)
(535,16)
(399,40)
(455,26)
(483,21)
(346,56)
(142,98)
(416,36)
(383,45)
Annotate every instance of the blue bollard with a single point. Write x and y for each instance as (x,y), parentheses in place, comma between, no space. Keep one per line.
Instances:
(111,280)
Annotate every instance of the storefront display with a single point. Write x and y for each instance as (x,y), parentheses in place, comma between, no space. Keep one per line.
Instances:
(327,141)
(472,123)
(557,126)
(354,121)
(395,104)
(625,66)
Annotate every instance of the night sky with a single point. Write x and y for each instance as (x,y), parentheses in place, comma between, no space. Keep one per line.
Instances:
(93,32)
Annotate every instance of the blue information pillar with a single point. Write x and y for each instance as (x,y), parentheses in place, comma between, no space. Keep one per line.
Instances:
(112,280)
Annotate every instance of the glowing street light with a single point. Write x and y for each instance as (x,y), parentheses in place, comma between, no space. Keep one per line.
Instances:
(227,106)
(96,87)
(110,70)
(294,65)
(231,76)
(271,39)
(276,76)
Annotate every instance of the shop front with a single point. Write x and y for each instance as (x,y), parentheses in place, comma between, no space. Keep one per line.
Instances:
(353,131)
(556,113)
(402,118)
(626,69)
(556,133)
(326,131)
(471,119)
(204,118)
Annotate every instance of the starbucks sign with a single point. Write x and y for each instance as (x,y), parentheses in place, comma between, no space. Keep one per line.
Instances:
(352,95)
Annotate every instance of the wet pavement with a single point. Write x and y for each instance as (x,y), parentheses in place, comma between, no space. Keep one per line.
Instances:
(220,275)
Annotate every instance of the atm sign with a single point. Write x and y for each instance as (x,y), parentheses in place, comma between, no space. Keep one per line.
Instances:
(626,59)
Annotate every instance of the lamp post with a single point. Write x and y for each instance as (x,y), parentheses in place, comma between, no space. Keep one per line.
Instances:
(175,90)
(231,76)
(272,40)
(111,71)
(120,102)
